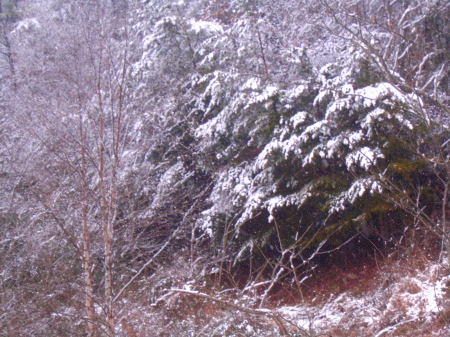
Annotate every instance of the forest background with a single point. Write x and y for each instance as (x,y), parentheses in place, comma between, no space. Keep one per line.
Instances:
(160,155)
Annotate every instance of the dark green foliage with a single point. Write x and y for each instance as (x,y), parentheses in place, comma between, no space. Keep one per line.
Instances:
(318,175)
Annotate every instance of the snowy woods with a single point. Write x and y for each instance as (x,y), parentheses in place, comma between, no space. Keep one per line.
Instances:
(159,155)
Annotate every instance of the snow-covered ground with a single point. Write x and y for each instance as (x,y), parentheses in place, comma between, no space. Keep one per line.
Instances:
(401,302)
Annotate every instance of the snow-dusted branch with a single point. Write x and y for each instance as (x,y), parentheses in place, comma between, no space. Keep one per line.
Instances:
(258,312)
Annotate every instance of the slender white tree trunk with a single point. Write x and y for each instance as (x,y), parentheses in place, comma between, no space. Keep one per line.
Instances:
(86,237)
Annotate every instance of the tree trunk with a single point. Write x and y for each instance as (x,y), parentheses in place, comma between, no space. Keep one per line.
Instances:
(86,239)
(107,221)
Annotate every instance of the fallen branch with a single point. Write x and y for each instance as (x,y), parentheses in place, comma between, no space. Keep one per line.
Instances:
(258,312)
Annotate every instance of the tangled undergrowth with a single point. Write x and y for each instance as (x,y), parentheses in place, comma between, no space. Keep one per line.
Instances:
(391,296)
